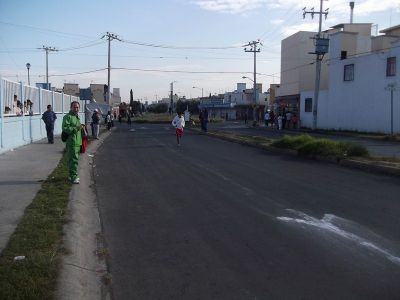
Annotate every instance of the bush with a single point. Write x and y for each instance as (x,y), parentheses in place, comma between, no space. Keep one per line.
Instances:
(322,147)
(292,142)
(356,150)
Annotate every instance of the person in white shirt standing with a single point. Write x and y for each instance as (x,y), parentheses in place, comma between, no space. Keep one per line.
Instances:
(179,123)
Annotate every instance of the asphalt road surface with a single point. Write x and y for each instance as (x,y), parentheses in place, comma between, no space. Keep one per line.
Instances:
(213,219)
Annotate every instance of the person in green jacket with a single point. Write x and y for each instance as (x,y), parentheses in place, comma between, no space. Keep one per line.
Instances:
(72,126)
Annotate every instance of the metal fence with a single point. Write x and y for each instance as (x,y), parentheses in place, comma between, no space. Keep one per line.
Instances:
(21,108)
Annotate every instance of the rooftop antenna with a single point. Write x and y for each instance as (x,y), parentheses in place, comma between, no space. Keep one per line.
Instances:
(351,11)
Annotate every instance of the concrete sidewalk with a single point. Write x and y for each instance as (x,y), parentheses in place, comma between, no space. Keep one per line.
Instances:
(22,172)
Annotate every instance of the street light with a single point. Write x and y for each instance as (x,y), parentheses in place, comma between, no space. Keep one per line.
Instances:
(196,87)
(245,77)
(28,66)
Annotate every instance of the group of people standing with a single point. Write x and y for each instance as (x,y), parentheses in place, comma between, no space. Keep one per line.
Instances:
(281,121)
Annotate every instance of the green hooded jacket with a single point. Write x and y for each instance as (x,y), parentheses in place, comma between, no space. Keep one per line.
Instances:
(72,125)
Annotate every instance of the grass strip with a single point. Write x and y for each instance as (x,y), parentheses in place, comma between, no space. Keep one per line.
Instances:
(38,237)
(310,146)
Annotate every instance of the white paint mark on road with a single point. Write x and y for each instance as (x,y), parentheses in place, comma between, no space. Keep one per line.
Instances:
(342,227)
(132,129)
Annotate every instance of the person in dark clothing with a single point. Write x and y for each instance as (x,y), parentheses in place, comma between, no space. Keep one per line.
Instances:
(49,118)
(96,124)
(205,119)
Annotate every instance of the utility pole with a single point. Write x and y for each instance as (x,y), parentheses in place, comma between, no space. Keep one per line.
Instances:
(47,49)
(321,47)
(253,48)
(391,87)
(171,106)
(110,37)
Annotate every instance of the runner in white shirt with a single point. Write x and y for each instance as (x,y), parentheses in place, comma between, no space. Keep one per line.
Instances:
(179,123)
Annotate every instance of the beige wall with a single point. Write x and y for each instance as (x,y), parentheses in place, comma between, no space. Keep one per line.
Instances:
(297,72)
(71,89)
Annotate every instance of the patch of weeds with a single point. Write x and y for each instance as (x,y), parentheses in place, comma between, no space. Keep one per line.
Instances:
(356,150)
(321,147)
(307,145)
(292,142)
(102,252)
(106,278)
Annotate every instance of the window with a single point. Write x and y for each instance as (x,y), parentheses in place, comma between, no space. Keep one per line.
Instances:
(391,66)
(348,72)
(308,105)
(343,55)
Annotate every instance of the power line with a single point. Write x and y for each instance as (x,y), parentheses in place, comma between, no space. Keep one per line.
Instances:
(184,72)
(45,29)
(178,47)
(78,73)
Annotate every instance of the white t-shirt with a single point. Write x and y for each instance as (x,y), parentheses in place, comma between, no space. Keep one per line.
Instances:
(178,122)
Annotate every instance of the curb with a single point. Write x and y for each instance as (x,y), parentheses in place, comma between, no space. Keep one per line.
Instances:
(83,271)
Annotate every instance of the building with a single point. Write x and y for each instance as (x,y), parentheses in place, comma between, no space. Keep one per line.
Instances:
(97,92)
(361,70)
(297,71)
(72,89)
(238,104)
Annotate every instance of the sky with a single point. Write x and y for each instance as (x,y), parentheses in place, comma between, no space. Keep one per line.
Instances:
(196,44)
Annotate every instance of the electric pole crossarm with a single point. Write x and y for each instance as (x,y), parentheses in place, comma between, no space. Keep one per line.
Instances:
(253,48)
(47,49)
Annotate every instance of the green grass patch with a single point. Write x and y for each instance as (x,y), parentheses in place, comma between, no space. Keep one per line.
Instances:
(307,145)
(153,118)
(292,142)
(38,237)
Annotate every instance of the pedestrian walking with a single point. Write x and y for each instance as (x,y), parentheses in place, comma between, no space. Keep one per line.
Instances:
(205,119)
(72,126)
(295,121)
(49,118)
(179,123)
(279,119)
(129,121)
(283,120)
(112,119)
(272,118)
(96,124)
(266,118)
(288,119)
(108,121)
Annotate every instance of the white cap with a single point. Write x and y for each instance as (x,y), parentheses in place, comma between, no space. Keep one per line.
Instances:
(96,109)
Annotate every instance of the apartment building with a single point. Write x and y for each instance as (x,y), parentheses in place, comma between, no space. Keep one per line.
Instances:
(362,80)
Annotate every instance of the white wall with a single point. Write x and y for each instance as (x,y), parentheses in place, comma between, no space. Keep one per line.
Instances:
(362,104)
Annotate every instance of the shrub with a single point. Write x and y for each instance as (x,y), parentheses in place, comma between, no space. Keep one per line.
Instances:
(356,150)
(292,142)
(322,147)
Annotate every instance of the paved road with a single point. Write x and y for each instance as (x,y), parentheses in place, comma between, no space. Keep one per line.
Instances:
(375,147)
(216,220)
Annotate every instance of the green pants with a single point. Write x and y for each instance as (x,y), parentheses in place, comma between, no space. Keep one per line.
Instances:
(73,159)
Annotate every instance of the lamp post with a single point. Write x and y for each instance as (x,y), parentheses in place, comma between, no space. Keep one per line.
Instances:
(28,66)
(245,77)
(196,87)
(171,107)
